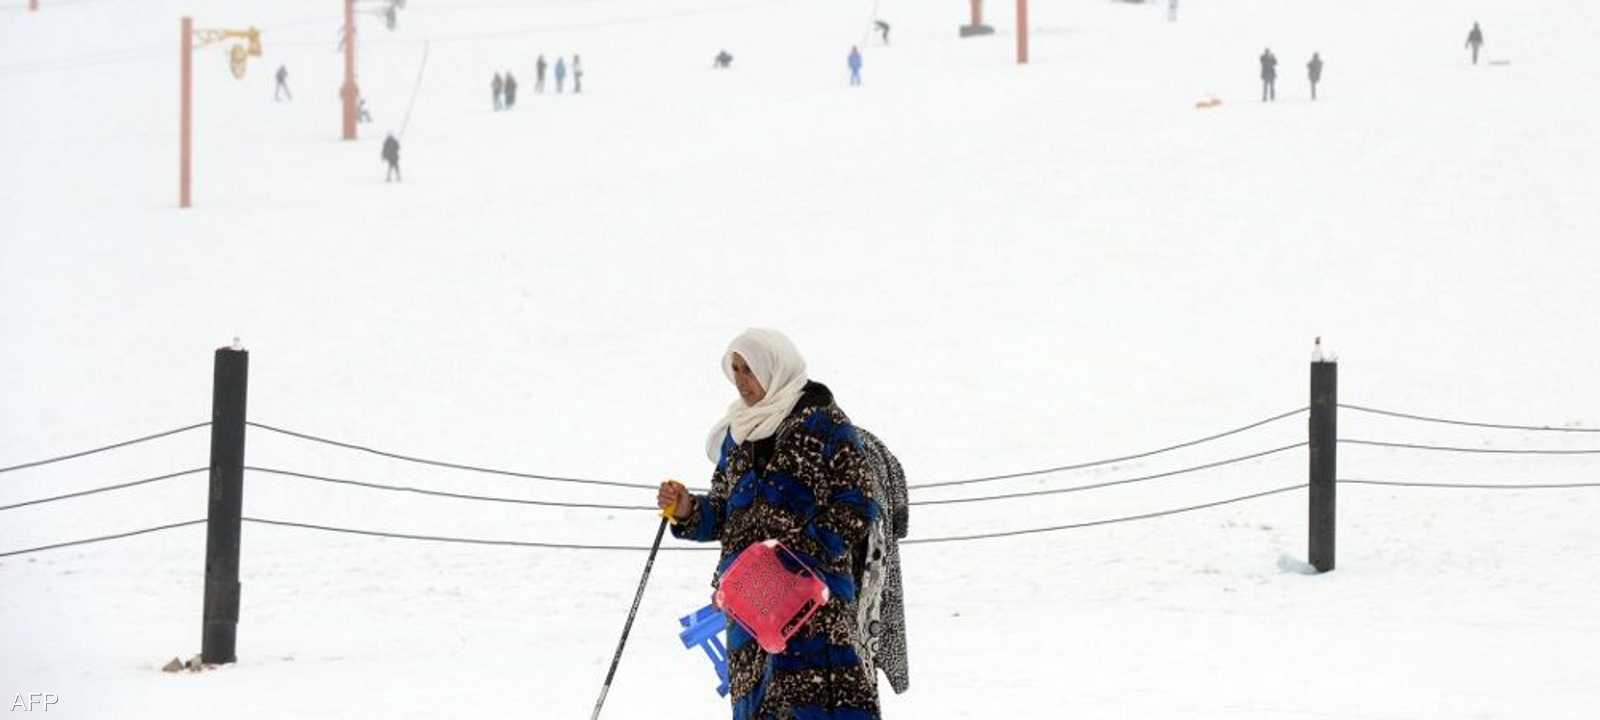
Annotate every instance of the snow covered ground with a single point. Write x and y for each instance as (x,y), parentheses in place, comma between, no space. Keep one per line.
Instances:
(997,268)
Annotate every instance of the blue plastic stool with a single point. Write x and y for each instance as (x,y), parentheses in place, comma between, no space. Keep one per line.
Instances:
(704,628)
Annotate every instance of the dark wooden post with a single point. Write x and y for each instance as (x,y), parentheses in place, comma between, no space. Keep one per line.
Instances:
(221,613)
(1324,440)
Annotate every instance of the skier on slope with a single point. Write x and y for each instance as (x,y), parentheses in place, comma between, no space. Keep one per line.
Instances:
(1269,76)
(282,89)
(511,90)
(722,61)
(855,66)
(1475,41)
(561,73)
(391,155)
(498,85)
(1314,71)
(789,466)
(538,77)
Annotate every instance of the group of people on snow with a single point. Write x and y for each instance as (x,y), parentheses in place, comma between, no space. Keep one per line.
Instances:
(505,91)
(1269,75)
(724,59)
(505,87)
(1269,66)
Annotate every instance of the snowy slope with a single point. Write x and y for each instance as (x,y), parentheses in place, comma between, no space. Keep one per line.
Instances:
(996,269)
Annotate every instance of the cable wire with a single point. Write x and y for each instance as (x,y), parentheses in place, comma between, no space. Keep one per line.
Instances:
(135,483)
(643,548)
(1498,426)
(1469,486)
(134,441)
(1112,483)
(101,539)
(469,541)
(1095,463)
(1129,518)
(416,89)
(451,465)
(1446,448)
(436,493)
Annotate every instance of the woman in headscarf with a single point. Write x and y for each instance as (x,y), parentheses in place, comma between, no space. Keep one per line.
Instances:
(790,467)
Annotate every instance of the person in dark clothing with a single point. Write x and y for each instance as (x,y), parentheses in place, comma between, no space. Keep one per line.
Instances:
(790,466)
(577,74)
(883,29)
(855,66)
(499,87)
(391,155)
(561,73)
(538,77)
(1269,76)
(511,90)
(362,116)
(1475,41)
(282,90)
(722,61)
(1314,70)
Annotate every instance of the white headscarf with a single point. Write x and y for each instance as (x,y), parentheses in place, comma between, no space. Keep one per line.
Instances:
(778,365)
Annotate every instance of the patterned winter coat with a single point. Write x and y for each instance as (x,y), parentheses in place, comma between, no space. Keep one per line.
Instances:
(881,612)
(809,487)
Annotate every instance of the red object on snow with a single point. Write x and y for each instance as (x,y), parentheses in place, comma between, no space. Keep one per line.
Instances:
(770,593)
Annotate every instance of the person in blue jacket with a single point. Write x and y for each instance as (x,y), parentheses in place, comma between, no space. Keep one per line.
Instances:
(855,66)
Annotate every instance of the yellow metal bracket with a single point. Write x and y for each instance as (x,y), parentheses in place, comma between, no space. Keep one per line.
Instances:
(238,55)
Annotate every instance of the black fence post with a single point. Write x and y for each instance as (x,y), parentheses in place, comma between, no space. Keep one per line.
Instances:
(221,614)
(1324,441)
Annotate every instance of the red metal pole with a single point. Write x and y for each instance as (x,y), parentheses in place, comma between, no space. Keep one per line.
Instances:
(1022,32)
(33,5)
(348,92)
(977,12)
(184,61)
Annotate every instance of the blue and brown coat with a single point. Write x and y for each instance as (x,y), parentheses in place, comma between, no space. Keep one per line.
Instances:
(809,487)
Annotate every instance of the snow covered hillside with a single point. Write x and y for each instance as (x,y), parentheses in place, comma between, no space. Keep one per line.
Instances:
(996,268)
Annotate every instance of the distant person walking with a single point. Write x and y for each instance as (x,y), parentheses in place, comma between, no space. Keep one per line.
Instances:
(538,77)
(511,90)
(1269,76)
(1314,71)
(499,87)
(855,66)
(391,155)
(577,74)
(722,61)
(561,73)
(883,29)
(362,116)
(1475,41)
(282,90)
